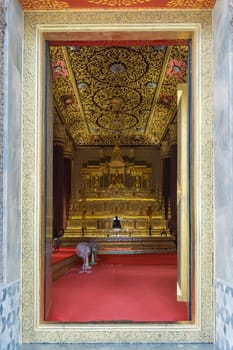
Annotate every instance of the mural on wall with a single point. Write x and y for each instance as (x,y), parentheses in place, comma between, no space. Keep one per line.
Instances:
(34,5)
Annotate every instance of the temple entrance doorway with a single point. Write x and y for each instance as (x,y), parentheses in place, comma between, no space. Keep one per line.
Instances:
(120,176)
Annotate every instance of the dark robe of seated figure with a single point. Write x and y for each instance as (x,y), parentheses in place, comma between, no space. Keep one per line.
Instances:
(116,223)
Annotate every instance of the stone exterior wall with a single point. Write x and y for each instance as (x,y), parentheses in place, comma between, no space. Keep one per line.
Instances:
(11,39)
(2,31)
(9,315)
(9,282)
(223,170)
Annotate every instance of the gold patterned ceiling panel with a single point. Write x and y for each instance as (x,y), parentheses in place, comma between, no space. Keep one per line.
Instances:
(128,93)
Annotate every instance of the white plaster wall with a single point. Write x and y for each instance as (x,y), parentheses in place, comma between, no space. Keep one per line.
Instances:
(2,35)
(223,170)
(12,139)
(10,197)
(223,138)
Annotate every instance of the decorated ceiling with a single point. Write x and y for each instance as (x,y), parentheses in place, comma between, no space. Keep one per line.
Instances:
(35,5)
(105,93)
(110,91)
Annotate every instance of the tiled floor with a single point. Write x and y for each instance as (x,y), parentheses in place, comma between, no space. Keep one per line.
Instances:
(117,347)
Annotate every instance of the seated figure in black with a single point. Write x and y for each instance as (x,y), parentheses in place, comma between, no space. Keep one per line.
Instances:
(56,239)
(116,223)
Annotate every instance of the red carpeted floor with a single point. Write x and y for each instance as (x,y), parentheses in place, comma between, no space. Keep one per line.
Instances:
(134,288)
(63,253)
(138,259)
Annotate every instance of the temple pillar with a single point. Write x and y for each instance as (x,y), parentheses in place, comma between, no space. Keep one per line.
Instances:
(173,178)
(166,173)
(58,178)
(68,153)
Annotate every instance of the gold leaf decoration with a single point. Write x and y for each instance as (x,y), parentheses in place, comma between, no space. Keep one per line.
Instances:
(191,3)
(118,3)
(44,4)
(117,91)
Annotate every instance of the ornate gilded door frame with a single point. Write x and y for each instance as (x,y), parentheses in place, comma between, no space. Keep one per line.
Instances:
(40,27)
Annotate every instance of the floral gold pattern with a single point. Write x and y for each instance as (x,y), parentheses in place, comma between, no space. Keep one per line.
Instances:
(176,68)
(198,4)
(39,5)
(118,3)
(118,91)
(44,4)
(59,69)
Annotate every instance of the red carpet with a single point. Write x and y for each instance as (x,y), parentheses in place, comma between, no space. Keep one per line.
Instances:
(138,259)
(62,254)
(119,291)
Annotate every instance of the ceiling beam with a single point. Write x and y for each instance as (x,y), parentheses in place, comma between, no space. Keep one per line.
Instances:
(160,82)
(73,81)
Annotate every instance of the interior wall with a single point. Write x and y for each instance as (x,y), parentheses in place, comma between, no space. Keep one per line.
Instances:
(10,170)
(223,170)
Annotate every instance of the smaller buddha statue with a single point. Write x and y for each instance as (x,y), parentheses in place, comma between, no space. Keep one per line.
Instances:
(116,223)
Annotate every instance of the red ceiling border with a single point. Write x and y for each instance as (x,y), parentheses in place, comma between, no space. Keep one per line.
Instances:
(38,5)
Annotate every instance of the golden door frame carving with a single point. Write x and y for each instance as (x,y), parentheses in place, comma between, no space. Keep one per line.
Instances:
(41,27)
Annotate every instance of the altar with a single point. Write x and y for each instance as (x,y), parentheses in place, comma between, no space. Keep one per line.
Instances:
(117,187)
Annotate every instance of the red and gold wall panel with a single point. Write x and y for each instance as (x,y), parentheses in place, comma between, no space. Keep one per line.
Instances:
(38,5)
